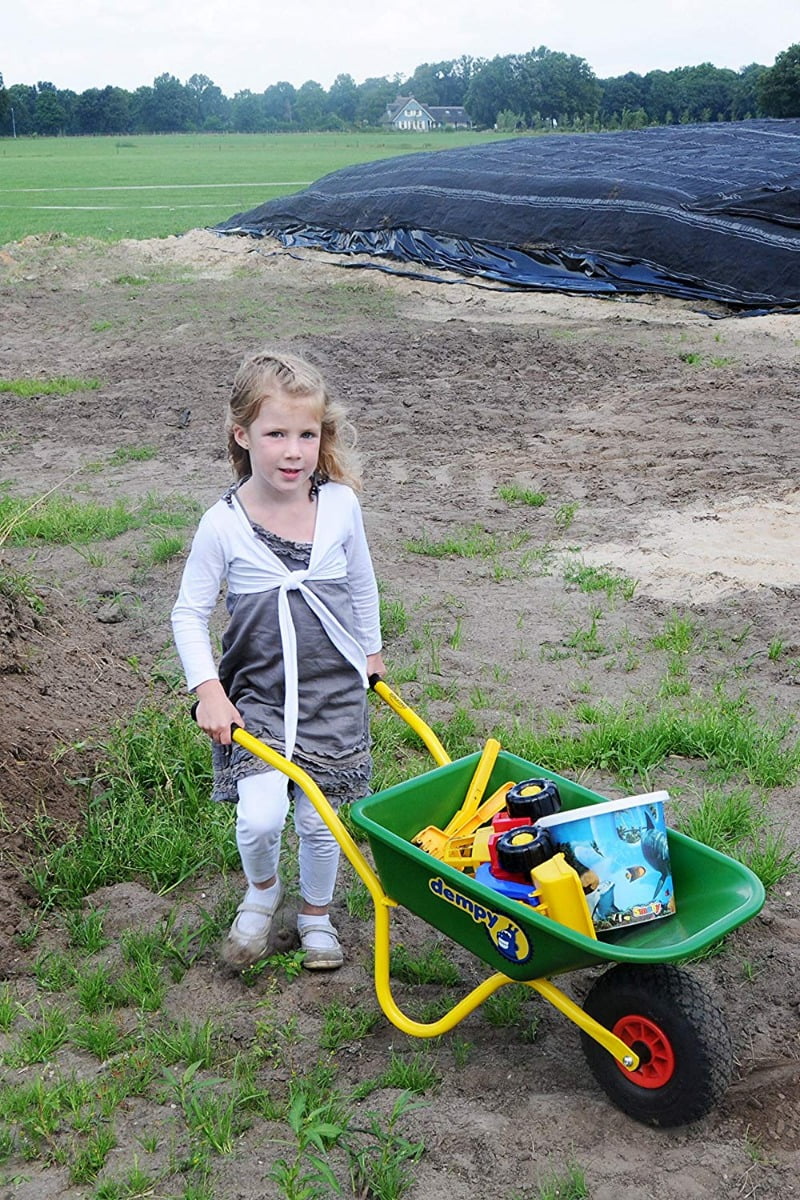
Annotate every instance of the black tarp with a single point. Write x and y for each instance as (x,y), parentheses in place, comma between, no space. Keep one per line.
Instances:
(709,212)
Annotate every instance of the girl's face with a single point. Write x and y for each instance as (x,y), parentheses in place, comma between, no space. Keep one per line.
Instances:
(284,443)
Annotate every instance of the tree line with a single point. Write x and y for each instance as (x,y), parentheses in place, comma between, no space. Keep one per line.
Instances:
(541,89)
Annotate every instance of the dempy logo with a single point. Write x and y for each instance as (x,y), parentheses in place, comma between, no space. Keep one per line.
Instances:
(507,936)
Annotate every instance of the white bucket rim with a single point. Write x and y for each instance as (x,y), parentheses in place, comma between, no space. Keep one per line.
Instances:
(597,810)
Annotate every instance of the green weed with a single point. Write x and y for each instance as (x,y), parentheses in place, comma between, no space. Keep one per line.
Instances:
(126,454)
(587,641)
(96,990)
(9,1008)
(86,930)
(20,589)
(54,971)
(91,1158)
(515,494)
(678,636)
(506,1007)
(100,1036)
(164,547)
(358,900)
(462,1051)
(380,1156)
(211,1112)
(571,1186)
(596,579)
(183,1041)
(393,617)
(304,1174)
(142,983)
(39,1042)
(565,515)
(416,1074)
(289,962)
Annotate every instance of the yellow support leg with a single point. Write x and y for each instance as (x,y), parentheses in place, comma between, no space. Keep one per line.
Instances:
(614,1045)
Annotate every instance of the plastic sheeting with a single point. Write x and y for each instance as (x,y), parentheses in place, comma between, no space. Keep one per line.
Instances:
(708,212)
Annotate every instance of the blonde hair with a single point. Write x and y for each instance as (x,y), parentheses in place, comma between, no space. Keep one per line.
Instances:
(268,374)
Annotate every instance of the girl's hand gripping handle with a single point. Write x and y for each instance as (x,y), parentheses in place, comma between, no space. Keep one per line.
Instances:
(214,712)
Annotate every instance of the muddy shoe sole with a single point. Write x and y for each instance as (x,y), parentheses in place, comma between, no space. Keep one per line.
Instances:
(241,950)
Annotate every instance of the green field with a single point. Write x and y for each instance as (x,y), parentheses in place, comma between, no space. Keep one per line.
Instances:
(154,186)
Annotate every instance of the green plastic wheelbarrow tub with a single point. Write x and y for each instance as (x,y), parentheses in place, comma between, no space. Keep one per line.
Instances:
(714,894)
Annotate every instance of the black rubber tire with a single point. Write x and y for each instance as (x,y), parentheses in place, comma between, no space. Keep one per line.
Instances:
(520,850)
(663,1000)
(541,803)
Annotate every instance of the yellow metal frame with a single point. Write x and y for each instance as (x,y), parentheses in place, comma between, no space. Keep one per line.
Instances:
(383,903)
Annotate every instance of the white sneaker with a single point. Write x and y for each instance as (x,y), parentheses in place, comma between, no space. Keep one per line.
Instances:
(243,949)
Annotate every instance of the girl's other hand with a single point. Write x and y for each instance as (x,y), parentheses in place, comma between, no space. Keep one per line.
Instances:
(215,714)
(376,665)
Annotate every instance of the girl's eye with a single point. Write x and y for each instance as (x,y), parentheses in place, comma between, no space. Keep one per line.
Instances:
(309,433)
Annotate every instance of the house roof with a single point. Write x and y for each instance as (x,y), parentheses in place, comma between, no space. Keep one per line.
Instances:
(456,112)
(441,115)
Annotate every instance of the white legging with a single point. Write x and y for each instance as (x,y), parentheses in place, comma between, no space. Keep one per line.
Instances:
(260,816)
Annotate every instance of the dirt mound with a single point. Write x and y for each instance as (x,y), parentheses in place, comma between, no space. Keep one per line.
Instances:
(63,681)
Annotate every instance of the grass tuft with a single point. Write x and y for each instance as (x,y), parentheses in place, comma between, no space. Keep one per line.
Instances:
(60,386)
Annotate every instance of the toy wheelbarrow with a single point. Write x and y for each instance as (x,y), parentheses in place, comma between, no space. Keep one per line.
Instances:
(654,1041)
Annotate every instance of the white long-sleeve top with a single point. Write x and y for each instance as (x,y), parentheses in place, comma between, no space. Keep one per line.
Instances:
(226,549)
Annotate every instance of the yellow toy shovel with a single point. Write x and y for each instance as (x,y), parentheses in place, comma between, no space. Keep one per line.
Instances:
(433,839)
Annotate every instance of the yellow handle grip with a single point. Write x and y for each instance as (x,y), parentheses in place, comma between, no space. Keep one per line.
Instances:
(423,731)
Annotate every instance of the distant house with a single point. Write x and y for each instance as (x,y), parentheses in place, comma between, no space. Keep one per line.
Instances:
(408,113)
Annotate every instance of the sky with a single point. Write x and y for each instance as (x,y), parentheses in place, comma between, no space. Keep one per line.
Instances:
(79,44)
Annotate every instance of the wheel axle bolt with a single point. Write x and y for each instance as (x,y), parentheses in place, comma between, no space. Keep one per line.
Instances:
(627,1062)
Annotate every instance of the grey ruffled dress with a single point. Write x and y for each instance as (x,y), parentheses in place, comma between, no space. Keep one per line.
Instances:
(332,744)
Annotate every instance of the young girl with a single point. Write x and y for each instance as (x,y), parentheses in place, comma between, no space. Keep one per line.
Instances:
(303,637)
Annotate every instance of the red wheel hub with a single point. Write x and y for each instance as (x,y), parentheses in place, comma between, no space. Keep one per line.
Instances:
(650,1043)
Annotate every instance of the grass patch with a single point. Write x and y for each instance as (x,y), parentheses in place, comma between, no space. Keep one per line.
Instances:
(631,741)
(736,824)
(148,817)
(126,454)
(513,493)
(164,547)
(393,617)
(472,542)
(600,579)
(60,386)
(152,186)
(429,965)
(20,589)
(60,520)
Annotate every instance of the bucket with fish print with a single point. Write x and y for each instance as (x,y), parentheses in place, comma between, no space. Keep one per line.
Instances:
(619,849)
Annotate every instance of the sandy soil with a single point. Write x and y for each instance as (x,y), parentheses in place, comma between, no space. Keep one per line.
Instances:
(666,442)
